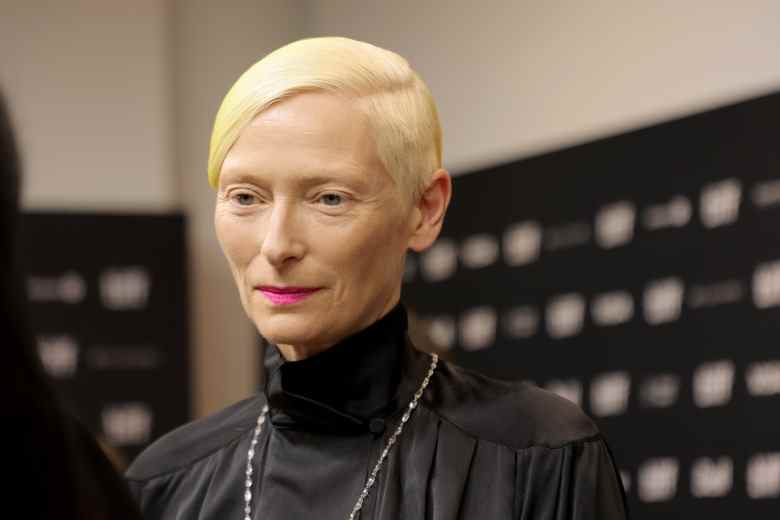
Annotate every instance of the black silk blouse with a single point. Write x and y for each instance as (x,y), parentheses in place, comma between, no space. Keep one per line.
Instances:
(474,448)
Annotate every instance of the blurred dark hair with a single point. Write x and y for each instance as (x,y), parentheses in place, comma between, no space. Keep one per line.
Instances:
(28,387)
(11,325)
(56,469)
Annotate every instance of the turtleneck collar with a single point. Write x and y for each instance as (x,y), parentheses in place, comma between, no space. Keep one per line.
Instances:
(352,387)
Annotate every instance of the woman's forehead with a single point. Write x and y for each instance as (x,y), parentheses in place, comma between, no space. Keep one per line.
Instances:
(312,137)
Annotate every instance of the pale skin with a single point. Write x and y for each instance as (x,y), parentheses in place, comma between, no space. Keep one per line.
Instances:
(304,201)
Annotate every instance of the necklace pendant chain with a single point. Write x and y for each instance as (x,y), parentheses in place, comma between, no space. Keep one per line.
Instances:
(371,480)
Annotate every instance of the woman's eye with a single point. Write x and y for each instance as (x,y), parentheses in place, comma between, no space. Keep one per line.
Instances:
(331,199)
(244,199)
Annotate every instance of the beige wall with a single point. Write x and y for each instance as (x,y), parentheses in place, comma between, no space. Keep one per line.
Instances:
(114,100)
(89,85)
(514,78)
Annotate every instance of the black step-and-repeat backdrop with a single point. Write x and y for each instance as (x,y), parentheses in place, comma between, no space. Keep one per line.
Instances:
(108,304)
(638,276)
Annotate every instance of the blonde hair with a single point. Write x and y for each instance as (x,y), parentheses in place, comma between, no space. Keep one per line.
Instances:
(398,104)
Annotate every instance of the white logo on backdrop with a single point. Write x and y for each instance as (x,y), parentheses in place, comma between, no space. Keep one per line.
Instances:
(766,194)
(124,288)
(763,378)
(659,391)
(676,213)
(69,288)
(522,242)
(763,475)
(766,285)
(612,308)
(567,236)
(565,315)
(410,268)
(615,224)
(713,383)
(625,478)
(478,328)
(72,288)
(609,393)
(479,251)
(719,203)
(59,355)
(441,330)
(127,423)
(440,261)
(714,294)
(521,322)
(663,300)
(658,479)
(712,477)
(124,357)
(570,389)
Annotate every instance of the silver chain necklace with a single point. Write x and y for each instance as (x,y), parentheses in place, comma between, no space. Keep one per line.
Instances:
(374,472)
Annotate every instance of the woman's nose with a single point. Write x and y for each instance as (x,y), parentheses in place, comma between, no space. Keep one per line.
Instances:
(281,243)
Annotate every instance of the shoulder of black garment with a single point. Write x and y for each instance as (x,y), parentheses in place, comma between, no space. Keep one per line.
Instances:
(517,415)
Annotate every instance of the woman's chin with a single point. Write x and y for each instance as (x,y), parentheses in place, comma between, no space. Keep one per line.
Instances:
(285,330)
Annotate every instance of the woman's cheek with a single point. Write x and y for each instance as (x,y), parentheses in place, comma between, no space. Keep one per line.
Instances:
(238,241)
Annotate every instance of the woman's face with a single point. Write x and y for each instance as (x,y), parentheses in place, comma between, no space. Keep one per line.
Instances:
(313,227)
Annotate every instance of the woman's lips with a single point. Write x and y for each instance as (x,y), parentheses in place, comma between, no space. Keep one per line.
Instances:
(287,295)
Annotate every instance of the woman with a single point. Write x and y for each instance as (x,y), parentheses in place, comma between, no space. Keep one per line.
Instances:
(326,159)
(55,469)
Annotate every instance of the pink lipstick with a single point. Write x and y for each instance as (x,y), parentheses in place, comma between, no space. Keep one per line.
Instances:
(286,295)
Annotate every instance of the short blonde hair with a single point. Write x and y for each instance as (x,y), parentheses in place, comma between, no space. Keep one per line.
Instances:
(398,104)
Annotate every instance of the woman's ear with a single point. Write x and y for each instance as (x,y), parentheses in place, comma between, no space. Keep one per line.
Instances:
(429,211)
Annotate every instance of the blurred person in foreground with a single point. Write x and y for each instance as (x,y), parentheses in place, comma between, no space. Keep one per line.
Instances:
(54,468)
(326,161)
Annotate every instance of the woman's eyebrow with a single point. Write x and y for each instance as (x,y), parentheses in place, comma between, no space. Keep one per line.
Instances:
(238,176)
(351,176)
(351,179)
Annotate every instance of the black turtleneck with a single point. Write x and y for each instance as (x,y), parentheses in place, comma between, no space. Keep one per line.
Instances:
(349,388)
(474,448)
